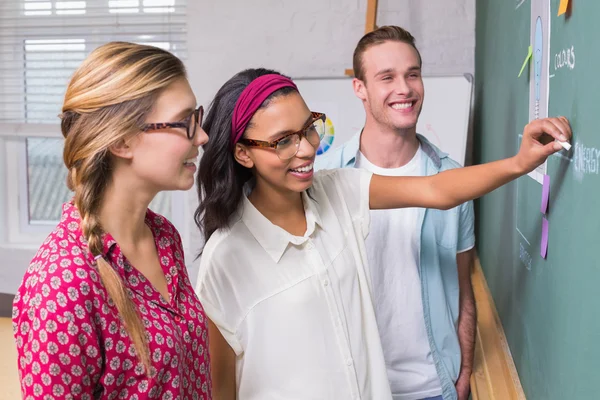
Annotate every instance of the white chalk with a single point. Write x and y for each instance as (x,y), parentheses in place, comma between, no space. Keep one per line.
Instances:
(565,145)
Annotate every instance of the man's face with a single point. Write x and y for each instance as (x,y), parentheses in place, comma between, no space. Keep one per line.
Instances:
(393,88)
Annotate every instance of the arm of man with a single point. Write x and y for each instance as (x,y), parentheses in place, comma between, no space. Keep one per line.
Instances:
(467,322)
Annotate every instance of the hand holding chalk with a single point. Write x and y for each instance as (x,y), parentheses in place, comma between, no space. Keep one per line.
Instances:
(565,145)
(533,152)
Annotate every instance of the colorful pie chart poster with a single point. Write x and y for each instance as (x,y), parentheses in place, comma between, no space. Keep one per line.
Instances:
(328,137)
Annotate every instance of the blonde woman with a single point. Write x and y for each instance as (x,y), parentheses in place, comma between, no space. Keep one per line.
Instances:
(106,309)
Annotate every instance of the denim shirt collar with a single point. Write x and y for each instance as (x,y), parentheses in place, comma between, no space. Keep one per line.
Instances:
(434,154)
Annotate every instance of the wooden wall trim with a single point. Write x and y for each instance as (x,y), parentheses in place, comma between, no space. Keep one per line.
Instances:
(370,25)
(371,21)
(494,375)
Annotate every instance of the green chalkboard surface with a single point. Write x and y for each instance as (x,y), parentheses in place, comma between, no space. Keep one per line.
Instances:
(550,308)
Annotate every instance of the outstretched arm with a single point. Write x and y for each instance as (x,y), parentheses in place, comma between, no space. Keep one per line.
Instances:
(450,188)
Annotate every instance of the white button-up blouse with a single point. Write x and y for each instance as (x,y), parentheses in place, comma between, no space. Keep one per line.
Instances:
(297,310)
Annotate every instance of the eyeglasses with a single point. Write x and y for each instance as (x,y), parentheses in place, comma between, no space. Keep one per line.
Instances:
(190,123)
(287,146)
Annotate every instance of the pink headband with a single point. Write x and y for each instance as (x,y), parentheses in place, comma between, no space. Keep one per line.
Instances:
(251,99)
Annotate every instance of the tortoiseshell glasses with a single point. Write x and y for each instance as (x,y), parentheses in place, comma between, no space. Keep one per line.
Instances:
(190,123)
(287,146)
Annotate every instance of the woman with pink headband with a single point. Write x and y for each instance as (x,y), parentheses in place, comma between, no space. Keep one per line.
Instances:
(283,276)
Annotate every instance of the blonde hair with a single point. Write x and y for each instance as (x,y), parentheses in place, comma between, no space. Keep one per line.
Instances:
(108,100)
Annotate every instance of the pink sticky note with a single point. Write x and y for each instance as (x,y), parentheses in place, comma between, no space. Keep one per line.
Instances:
(544,244)
(545,193)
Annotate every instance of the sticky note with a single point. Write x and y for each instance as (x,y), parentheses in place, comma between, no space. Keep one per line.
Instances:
(545,193)
(529,53)
(562,8)
(544,244)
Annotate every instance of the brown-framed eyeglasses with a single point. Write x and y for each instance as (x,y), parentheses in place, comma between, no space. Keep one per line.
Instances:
(287,146)
(190,123)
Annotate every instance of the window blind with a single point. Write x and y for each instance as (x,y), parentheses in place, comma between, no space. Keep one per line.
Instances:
(43,42)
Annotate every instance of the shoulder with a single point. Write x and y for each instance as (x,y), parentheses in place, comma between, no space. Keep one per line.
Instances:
(217,245)
(345,179)
(341,156)
(449,163)
(342,192)
(431,150)
(226,283)
(330,159)
(224,253)
(339,174)
(64,249)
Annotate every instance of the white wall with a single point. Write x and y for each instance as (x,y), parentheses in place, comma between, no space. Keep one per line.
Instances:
(444,31)
(301,39)
(317,37)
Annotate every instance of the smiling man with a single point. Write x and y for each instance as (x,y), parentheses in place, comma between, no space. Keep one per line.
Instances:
(420,259)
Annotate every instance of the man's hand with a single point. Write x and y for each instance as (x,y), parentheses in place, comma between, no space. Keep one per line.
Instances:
(463,385)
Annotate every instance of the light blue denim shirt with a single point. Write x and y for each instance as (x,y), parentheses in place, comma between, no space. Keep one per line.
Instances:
(443,234)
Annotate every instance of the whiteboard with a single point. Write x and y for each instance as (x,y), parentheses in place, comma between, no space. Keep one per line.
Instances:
(444,119)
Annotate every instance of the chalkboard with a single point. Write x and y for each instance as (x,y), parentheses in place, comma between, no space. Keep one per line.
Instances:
(549,307)
(444,119)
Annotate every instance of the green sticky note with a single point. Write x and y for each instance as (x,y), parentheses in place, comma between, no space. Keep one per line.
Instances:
(529,53)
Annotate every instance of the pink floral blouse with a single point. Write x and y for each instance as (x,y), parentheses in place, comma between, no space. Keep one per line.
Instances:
(71,343)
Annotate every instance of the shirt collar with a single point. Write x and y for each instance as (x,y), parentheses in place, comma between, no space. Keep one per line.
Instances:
(162,231)
(432,152)
(352,147)
(72,221)
(272,238)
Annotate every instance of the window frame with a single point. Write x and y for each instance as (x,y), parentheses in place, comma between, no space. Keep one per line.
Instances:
(16,227)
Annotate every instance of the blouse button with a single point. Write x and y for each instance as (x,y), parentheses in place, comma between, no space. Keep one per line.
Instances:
(177,318)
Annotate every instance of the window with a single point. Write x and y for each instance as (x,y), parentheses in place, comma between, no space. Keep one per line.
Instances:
(41,44)
(45,180)
(146,6)
(47,65)
(37,7)
(46,188)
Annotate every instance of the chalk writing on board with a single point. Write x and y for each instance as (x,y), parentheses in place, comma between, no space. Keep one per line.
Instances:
(565,58)
(586,159)
(524,256)
(523,236)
